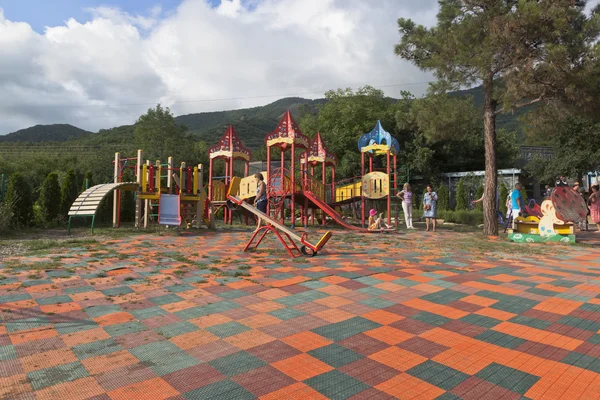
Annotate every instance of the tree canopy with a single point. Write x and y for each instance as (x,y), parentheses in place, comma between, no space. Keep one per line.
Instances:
(522,52)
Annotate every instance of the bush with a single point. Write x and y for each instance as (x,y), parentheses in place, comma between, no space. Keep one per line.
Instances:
(461,196)
(479,205)
(89,179)
(5,218)
(68,192)
(503,196)
(50,198)
(465,217)
(18,200)
(443,199)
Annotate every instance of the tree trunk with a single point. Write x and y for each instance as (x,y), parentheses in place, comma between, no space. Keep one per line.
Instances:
(490,220)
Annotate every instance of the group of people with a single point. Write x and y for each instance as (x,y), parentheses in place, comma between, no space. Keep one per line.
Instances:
(592,199)
(430,199)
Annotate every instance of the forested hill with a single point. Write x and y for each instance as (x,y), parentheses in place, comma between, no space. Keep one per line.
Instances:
(252,124)
(45,133)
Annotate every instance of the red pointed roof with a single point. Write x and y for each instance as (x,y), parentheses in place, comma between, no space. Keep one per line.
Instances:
(318,152)
(287,132)
(230,146)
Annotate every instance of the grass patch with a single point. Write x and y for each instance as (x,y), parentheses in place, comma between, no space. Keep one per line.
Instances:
(102,275)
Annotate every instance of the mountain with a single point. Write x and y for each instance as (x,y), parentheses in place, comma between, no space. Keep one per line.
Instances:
(251,124)
(45,133)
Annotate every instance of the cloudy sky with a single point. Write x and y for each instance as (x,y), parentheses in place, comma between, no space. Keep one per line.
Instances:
(97,64)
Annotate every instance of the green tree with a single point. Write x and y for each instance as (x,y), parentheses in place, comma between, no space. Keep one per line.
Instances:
(344,118)
(50,197)
(522,52)
(88,181)
(19,200)
(443,203)
(524,196)
(461,196)
(503,196)
(478,195)
(68,192)
(159,135)
(572,139)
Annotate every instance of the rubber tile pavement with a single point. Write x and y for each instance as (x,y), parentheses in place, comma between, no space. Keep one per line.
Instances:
(371,317)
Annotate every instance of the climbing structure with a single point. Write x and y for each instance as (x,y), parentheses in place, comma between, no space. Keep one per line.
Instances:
(317,154)
(286,137)
(376,184)
(229,149)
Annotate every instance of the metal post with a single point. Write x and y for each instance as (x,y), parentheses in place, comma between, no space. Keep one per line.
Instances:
(362,191)
(138,179)
(293,177)
(116,194)
(389,197)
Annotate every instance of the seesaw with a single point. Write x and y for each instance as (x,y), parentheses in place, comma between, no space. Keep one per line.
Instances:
(306,247)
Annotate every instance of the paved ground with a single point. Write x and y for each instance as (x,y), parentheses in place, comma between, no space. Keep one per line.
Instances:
(374,317)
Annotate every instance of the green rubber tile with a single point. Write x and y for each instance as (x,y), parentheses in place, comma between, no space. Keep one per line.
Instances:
(314,284)
(348,274)
(176,329)
(541,292)
(55,375)
(150,312)
(565,283)
(480,320)
(500,339)
(97,348)
(37,282)
(26,324)
(574,297)
(117,291)
(590,307)
(58,274)
(233,294)
(580,323)
(125,329)
(180,288)
(227,329)
(80,289)
(367,280)
(237,363)
(508,378)
(67,327)
(53,300)
(220,307)
(292,300)
(312,295)
(444,296)
(286,313)
(406,282)
(531,322)
(517,305)
(594,339)
(345,329)
(99,311)
(335,355)
(371,291)
(525,283)
(191,313)
(336,385)
(7,353)
(437,374)
(377,303)
(9,298)
(225,389)
(441,283)
(430,318)
(166,299)
(163,357)
(582,361)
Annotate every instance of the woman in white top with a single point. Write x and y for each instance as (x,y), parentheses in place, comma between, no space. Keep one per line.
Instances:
(406,195)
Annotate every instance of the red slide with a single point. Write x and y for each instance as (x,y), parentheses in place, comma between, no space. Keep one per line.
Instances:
(331,212)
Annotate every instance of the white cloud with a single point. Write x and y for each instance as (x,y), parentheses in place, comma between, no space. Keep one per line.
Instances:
(109,70)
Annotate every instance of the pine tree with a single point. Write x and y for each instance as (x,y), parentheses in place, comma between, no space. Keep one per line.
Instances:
(68,192)
(88,178)
(19,201)
(50,197)
(443,198)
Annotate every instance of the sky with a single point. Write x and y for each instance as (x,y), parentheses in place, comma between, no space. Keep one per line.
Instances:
(98,64)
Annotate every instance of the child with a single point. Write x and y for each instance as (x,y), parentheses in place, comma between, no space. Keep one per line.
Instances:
(374,222)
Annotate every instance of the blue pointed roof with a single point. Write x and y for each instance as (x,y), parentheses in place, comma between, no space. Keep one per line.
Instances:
(379,136)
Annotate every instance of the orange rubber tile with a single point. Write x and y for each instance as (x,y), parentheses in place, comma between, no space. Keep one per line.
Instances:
(397,358)
(47,359)
(306,341)
(297,391)
(153,389)
(302,367)
(389,335)
(249,339)
(193,339)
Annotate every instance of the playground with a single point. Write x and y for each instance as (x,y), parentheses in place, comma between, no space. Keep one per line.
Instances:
(188,316)
(316,303)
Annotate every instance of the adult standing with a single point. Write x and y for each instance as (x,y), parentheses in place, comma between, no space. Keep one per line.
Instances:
(406,195)
(430,200)
(594,202)
(260,201)
(583,225)
(516,202)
